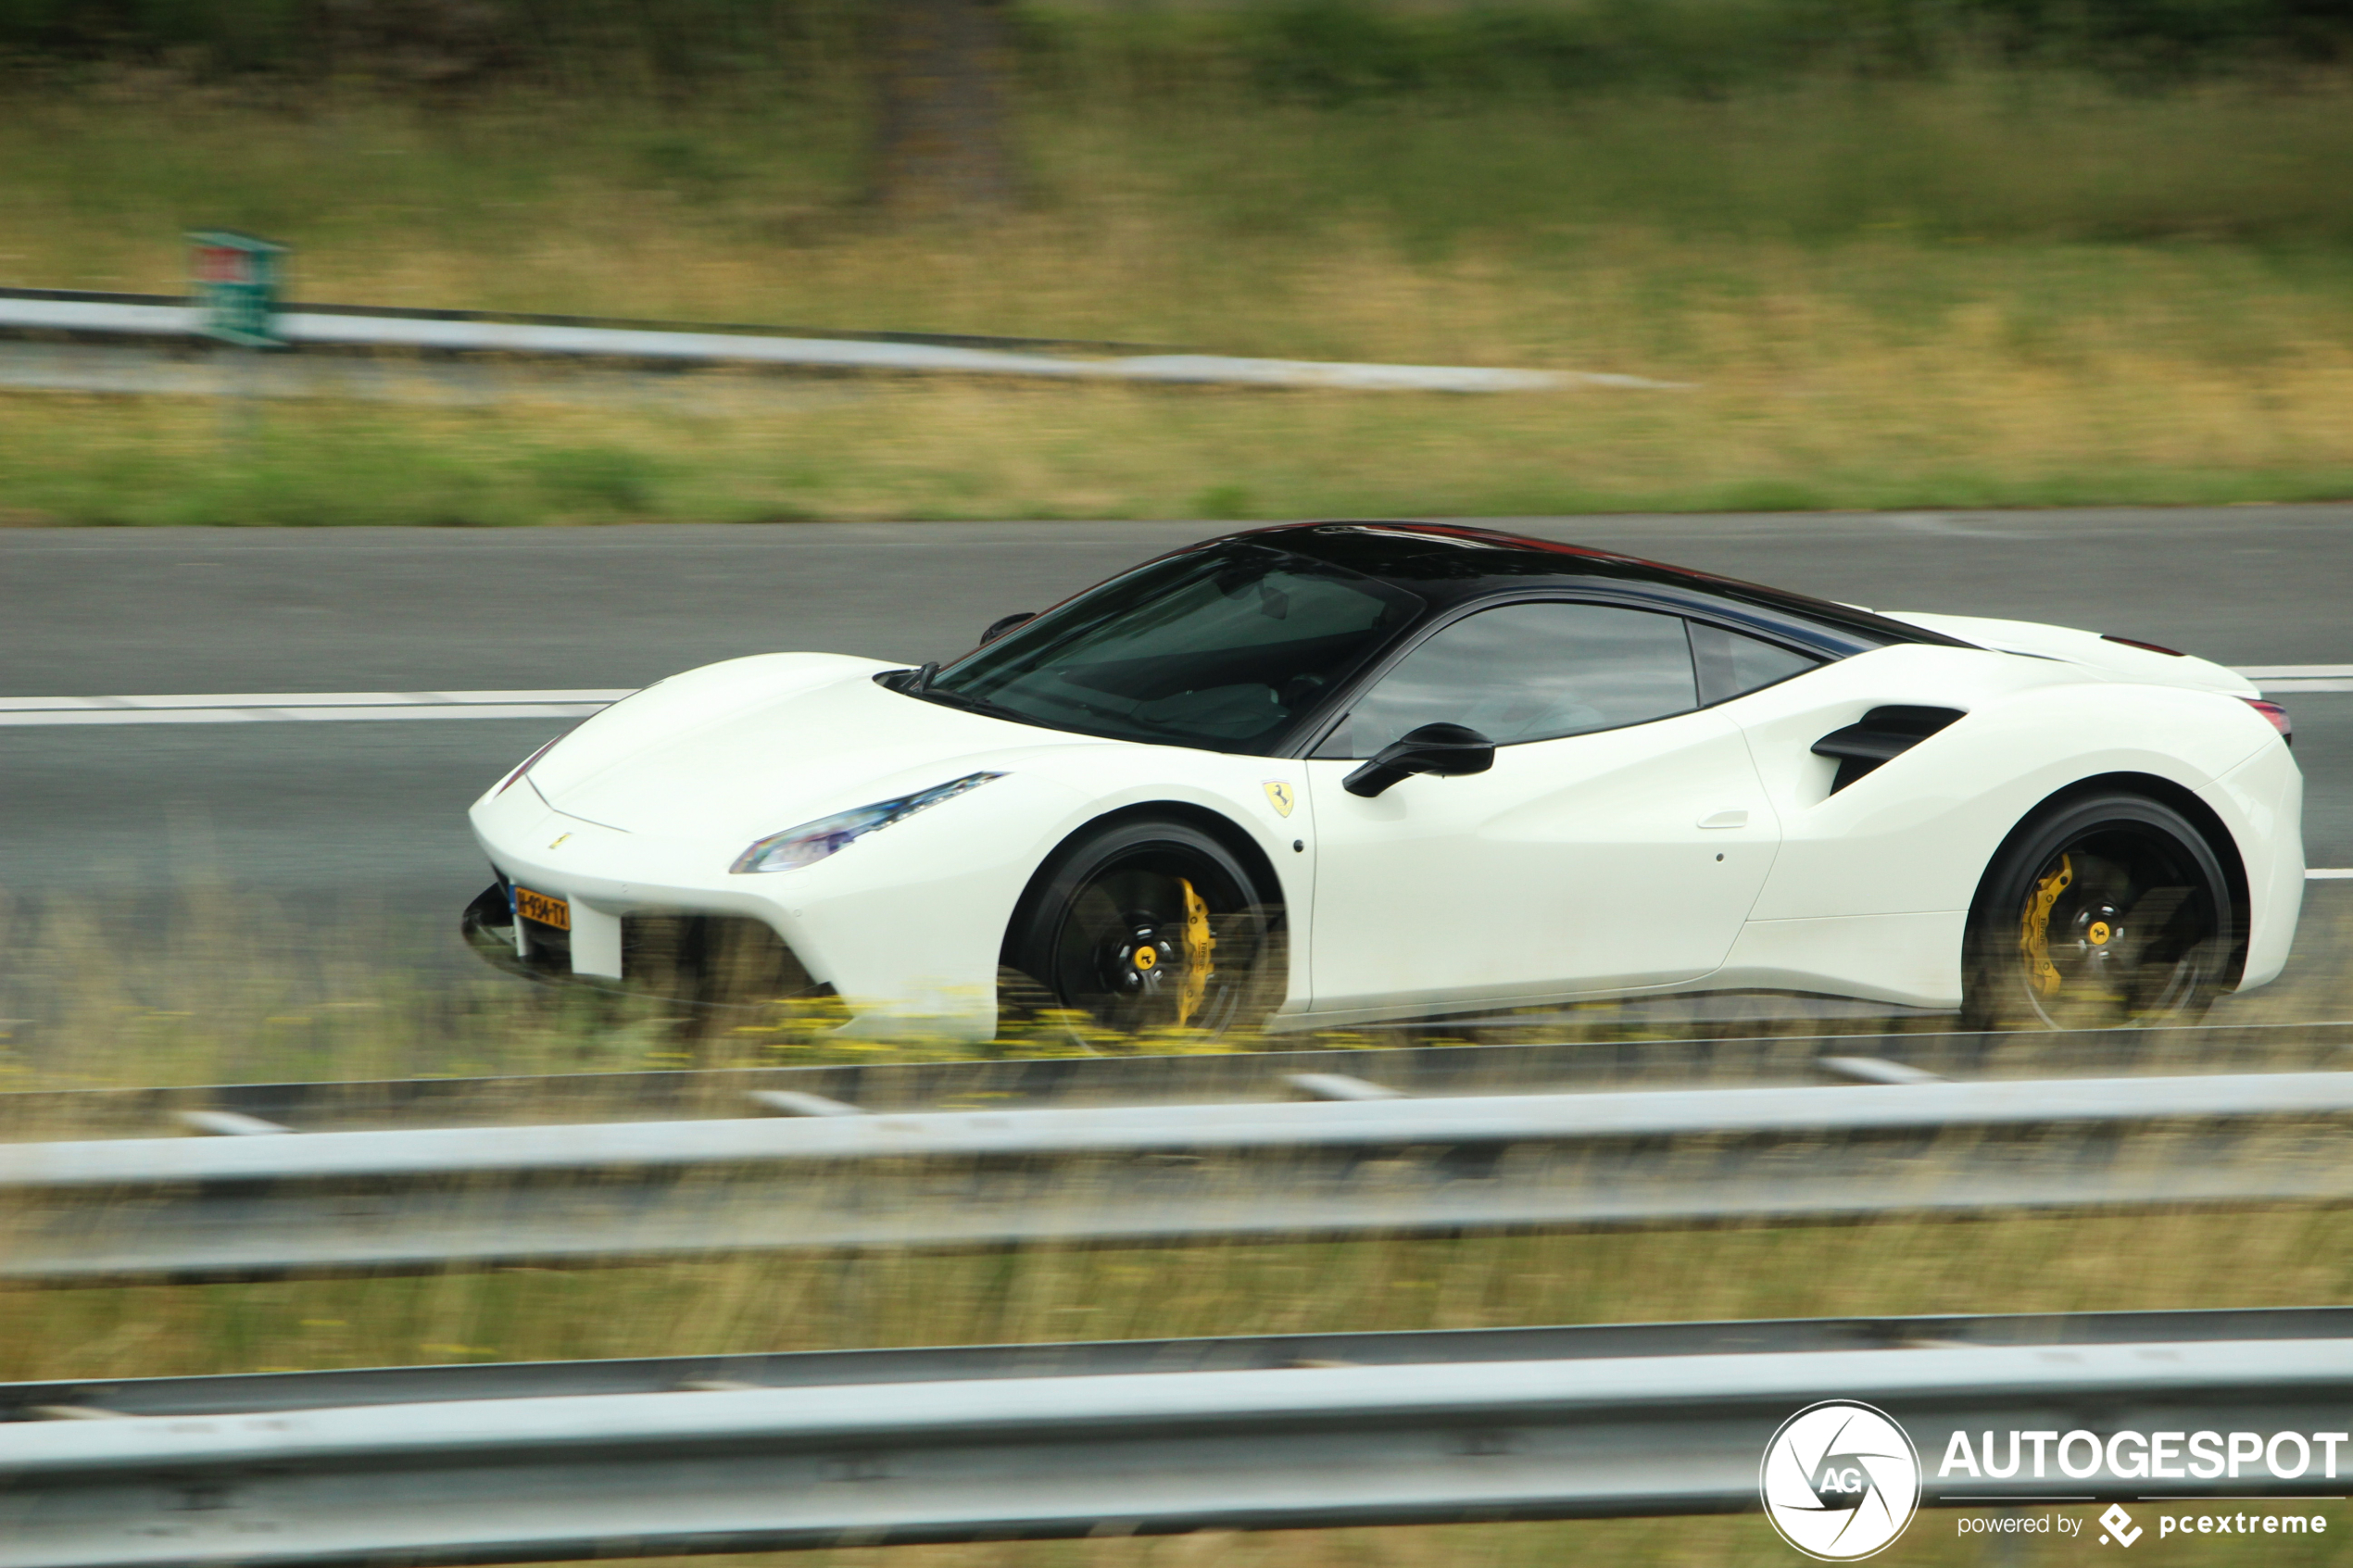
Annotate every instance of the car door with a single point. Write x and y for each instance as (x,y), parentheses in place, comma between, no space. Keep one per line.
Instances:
(1617,843)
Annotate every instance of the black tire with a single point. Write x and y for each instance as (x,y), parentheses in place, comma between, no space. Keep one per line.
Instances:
(1109,930)
(2101,910)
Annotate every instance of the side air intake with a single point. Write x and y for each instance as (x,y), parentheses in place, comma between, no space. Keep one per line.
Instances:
(1883,733)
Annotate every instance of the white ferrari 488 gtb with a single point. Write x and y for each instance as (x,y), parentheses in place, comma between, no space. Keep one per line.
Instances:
(1330,773)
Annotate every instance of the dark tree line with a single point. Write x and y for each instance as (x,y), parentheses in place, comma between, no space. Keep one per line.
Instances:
(936,72)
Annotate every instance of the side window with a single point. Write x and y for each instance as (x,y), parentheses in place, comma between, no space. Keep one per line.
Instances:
(1731,664)
(1529,671)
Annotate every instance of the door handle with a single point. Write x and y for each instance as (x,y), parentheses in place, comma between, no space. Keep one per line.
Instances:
(1725,819)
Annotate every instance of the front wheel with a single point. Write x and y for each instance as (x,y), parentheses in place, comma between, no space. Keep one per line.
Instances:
(1151,924)
(2104,910)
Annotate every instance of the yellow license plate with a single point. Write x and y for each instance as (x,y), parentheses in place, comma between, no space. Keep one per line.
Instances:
(546,910)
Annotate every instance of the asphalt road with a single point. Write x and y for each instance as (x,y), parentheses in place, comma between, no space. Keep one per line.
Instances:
(326,821)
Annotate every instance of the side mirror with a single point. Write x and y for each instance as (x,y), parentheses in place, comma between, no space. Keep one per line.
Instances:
(1448,750)
(1005,623)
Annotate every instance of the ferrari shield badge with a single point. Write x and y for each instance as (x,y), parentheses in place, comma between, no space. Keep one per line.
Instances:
(1278,795)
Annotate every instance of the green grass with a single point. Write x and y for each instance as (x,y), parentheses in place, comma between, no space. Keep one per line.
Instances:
(1207,215)
(1872,436)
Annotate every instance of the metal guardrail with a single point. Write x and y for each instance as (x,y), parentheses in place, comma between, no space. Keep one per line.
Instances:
(253,1206)
(595,1459)
(524,318)
(102,316)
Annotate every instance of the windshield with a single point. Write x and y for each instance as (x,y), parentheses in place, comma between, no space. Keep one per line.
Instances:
(1220,649)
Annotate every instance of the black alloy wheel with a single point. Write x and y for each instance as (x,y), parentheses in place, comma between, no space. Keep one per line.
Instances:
(1150,924)
(2108,910)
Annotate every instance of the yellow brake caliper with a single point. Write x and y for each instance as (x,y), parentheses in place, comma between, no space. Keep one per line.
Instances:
(2034,928)
(1199,944)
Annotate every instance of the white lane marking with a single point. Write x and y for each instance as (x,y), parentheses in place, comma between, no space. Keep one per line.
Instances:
(2282,680)
(264,715)
(2329,873)
(235,707)
(304,700)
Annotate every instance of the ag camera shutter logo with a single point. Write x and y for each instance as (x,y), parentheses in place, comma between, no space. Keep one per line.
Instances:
(1840,1480)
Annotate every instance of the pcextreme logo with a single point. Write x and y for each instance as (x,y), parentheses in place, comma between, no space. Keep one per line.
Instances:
(1840,1480)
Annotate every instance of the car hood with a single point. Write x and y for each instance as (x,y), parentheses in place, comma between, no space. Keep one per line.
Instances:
(2089,649)
(755,745)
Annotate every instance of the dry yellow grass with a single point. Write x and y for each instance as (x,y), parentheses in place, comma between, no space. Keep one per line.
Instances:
(210,986)
(2264,1258)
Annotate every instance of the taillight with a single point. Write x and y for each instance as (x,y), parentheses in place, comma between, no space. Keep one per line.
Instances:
(2276,714)
(2136,642)
(527,761)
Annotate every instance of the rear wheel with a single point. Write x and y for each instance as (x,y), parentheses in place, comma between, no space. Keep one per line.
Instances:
(2104,911)
(1150,924)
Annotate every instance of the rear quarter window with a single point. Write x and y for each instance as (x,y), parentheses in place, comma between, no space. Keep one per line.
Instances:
(1731,664)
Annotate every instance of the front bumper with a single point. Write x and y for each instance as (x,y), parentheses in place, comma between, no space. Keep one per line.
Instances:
(907,924)
(701,960)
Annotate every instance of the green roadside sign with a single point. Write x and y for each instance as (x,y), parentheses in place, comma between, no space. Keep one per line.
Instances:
(234,278)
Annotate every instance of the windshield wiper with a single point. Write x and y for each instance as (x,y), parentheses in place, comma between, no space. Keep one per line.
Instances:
(965,701)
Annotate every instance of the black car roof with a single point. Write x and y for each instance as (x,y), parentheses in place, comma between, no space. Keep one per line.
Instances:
(1449,564)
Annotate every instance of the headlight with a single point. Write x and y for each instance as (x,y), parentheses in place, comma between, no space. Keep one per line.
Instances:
(811,842)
